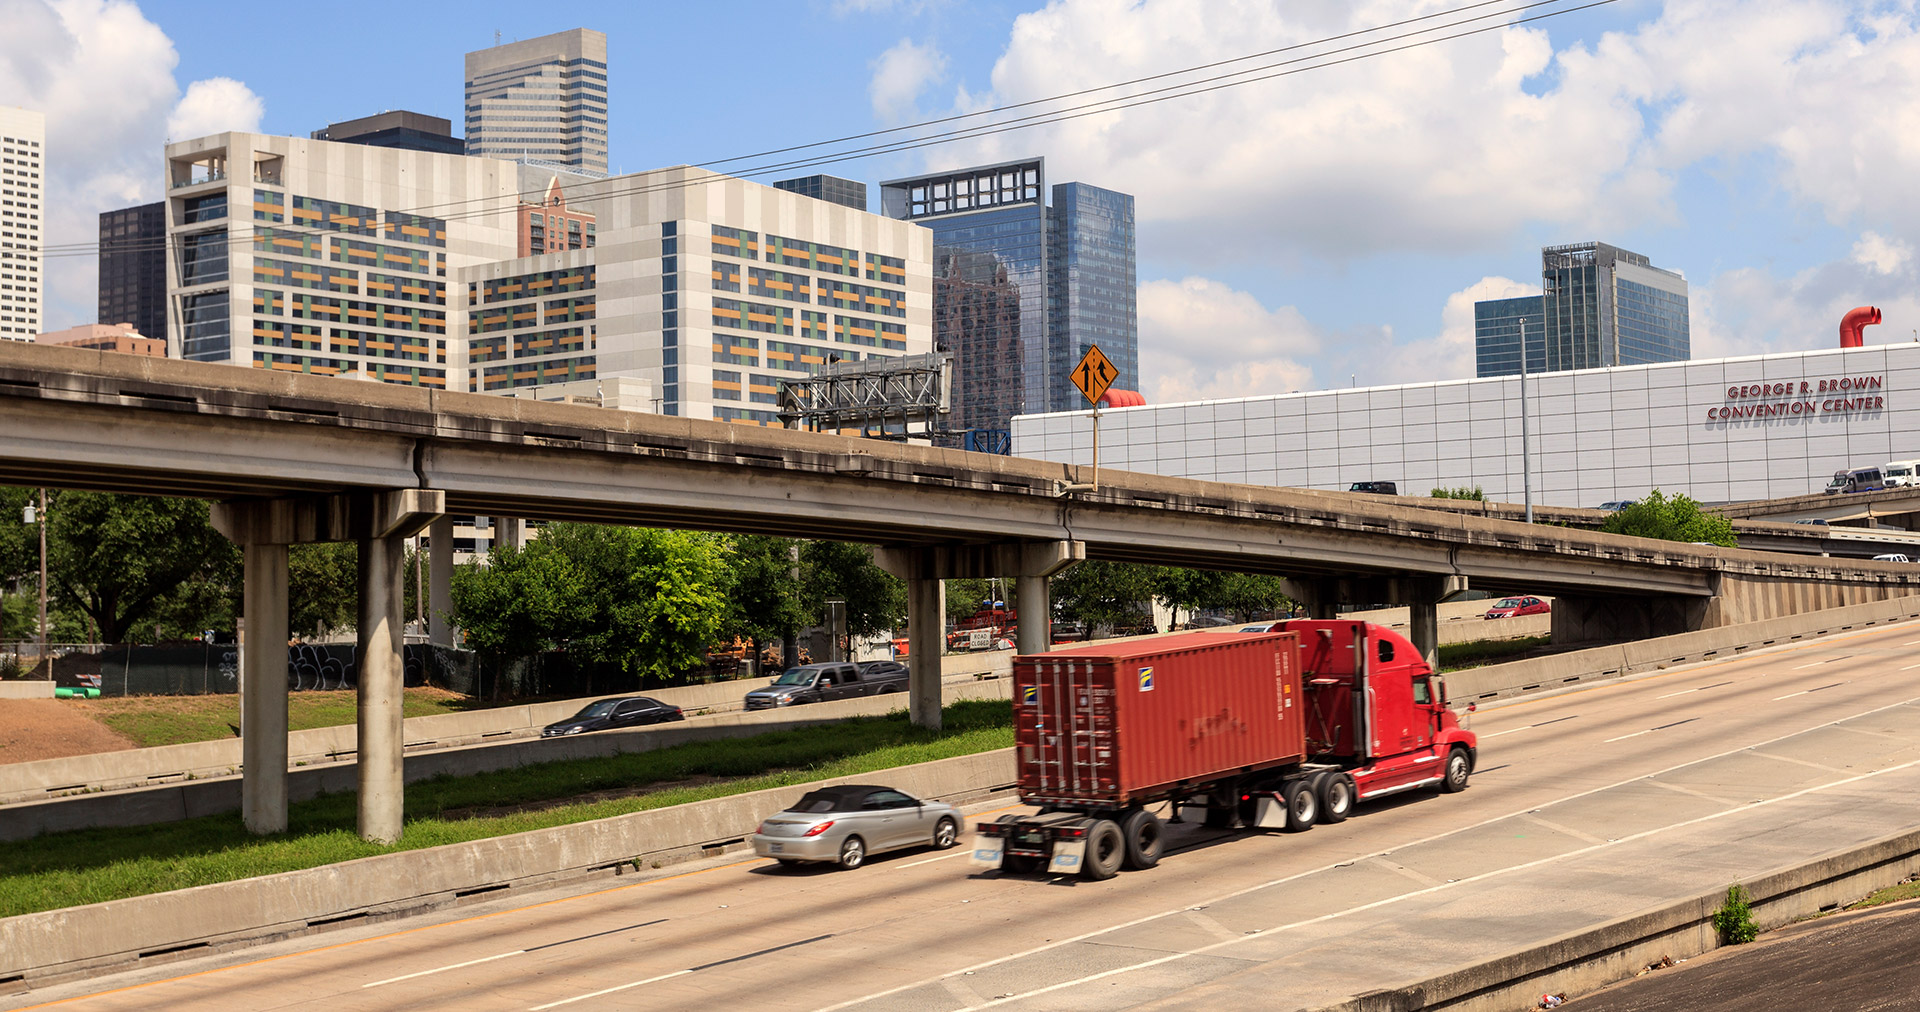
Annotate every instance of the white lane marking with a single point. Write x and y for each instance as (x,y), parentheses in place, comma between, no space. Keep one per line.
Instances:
(611,990)
(1624,737)
(1910,643)
(1803,692)
(1682,692)
(1802,667)
(1360,857)
(1269,932)
(442,969)
(1511,730)
(930,860)
(1910,667)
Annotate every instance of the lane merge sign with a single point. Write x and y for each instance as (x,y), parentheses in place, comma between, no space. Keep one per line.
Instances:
(1094,374)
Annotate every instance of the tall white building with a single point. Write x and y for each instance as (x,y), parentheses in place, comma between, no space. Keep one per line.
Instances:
(23,136)
(690,293)
(541,100)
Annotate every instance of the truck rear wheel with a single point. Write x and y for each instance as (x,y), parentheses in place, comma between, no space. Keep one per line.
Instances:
(1455,779)
(1106,849)
(1303,806)
(1141,829)
(1336,792)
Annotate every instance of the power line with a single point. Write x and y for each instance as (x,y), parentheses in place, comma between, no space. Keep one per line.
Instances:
(1284,68)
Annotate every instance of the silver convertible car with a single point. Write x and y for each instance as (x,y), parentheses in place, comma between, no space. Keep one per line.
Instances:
(842,825)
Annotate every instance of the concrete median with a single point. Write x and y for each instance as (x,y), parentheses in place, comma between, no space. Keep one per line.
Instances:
(1541,674)
(210,796)
(76,940)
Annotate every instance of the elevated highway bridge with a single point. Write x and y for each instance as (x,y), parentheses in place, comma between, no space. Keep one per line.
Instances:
(292,458)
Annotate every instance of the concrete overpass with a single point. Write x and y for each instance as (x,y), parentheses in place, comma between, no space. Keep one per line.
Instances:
(1891,507)
(295,458)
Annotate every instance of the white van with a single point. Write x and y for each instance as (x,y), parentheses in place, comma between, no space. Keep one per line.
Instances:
(1891,557)
(1859,479)
(1901,472)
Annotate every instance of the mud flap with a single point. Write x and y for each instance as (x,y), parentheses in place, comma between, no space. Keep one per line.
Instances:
(1269,812)
(1066,857)
(986,852)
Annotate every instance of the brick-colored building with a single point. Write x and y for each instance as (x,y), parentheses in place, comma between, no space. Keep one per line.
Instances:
(120,337)
(548,227)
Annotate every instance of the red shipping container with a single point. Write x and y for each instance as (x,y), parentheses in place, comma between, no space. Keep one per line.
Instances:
(1187,708)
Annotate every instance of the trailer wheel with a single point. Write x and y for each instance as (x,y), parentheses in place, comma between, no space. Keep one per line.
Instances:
(1142,831)
(1303,806)
(1458,767)
(1106,850)
(1336,792)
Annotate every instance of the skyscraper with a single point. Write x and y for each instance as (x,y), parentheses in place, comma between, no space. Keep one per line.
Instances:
(396,129)
(133,268)
(541,100)
(1600,306)
(22,134)
(1022,289)
(832,189)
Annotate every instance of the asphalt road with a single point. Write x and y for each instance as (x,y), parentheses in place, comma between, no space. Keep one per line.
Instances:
(1588,805)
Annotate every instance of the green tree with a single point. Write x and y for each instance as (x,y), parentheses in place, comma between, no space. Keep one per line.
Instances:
(120,559)
(1675,519)
(323,587)
(763,590)
(964,597)
(1463,492)
(1104,594)
(647,601)
(876,601)
(516,603)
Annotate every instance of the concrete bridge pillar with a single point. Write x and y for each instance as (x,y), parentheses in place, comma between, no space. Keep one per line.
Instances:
(1029,563)
(380,522)
(1421,595)
(263,690)
(440,582)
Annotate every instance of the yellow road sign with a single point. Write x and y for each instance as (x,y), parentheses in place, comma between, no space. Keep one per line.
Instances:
(1094,374)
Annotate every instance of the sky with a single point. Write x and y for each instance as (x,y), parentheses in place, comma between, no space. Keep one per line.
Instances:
(1320,229)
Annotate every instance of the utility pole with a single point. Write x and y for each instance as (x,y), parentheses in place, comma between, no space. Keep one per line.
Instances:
(1526,460)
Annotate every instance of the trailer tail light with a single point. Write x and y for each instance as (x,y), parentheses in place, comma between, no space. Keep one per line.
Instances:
(991,829)
(821,828)
(1070,834)
(1246,797)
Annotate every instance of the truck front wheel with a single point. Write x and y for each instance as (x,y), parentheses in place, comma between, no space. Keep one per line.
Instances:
(1336,791)
(1458,767)
(1142,831)
(1106,849)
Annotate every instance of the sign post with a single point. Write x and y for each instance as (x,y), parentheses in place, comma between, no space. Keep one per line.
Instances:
(1093,375)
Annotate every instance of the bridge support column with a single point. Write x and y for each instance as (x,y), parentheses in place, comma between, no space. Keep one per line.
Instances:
(440,582)
(380,522)
(1029,563)
(1319,595)
(263,692)
(1421,595)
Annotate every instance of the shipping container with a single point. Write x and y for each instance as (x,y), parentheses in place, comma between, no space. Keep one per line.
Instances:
(1114,724)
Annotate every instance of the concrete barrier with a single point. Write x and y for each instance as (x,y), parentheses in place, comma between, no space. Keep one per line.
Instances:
(26,689)
(187,799)
(77,940)
(1541,674)
(1586,960)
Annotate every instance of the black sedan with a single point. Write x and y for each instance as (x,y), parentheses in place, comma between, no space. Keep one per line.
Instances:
(631,711)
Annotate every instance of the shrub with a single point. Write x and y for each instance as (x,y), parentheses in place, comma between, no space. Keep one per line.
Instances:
(1734,919)
(1463,492)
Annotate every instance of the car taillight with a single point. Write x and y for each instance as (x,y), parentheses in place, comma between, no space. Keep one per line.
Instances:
(1070,834)
(821,828)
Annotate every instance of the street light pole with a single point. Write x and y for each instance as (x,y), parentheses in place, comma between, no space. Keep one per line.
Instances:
(1526,459)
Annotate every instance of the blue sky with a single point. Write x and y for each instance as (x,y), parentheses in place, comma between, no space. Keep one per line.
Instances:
(1311,231)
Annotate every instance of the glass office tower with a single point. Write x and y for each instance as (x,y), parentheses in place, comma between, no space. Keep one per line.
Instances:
(133,268)
(1496,336)
(1601,306)
(1022,289)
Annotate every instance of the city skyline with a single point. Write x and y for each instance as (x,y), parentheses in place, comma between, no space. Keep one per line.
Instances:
(1269,259)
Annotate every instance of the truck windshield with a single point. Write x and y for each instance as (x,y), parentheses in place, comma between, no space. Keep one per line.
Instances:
(797,676)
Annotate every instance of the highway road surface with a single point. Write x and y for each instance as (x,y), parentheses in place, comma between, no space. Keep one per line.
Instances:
(1588,805)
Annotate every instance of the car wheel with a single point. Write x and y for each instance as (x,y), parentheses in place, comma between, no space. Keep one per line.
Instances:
(853,853)
(1458,768)
(1106,850)
(946,833)
(1336,792)
(1303,806)
(1142,831)
(889,688)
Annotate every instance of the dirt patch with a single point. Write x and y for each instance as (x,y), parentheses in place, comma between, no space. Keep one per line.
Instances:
(33,729)
(495,811)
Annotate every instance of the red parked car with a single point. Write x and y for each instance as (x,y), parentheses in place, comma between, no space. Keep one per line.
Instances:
(1512,606)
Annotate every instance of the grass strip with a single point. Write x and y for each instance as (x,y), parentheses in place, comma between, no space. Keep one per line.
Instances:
(177,720)
(1454,656)
(96,865)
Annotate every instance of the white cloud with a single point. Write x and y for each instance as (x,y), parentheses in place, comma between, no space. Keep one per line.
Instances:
(103,76)
(1202,339)
(215,105)
(1884,255)
(899,76)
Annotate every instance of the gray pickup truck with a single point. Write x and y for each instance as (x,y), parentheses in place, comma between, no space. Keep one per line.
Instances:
(818,683)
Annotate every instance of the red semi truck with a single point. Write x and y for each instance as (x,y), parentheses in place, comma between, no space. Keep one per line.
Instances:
(1280,729)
